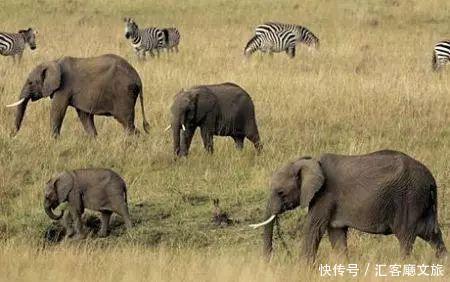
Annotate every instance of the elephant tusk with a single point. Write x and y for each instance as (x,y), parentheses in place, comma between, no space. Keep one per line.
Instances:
(183,127)
(263,223)
(16,103)
(167,128)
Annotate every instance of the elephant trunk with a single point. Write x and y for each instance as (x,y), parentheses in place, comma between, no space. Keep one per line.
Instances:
(178,135)
(49,212)
(272,211)
(21,107)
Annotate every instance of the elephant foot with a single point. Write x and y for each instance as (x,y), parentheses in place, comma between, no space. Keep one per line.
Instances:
(79,237)
(69,233)
(102,233)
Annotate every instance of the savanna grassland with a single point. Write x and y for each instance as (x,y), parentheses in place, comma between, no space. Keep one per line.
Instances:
(369,87)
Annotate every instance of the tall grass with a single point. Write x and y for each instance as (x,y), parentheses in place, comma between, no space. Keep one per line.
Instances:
(369,87)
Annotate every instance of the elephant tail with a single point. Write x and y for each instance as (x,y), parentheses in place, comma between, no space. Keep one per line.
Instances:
(137,90)
(434,207)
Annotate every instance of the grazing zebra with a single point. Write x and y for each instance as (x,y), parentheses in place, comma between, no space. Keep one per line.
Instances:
(441,54)
(144,40)
(13,44)
(302,34)
(272,42)
(172,36)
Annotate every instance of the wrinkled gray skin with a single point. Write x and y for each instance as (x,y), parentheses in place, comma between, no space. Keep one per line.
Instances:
(100,190)
(106,85)
(220,109)
(385,192)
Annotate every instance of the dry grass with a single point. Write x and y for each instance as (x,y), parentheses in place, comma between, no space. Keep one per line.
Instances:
(369,87)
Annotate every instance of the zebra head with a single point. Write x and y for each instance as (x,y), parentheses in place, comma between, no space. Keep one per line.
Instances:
(29,35)
(131,28)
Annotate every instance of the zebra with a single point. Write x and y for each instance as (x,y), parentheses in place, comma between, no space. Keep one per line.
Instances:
(13,44)
(302,34)
(441,54)
(144,40)
(172,38)
(271,42)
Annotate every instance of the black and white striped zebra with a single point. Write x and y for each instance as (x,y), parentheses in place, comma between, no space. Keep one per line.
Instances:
(441,54)
(172,38)
(13,44)
(302,34)
(144,40)
(272,42)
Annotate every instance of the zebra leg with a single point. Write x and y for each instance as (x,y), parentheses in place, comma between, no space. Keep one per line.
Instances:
(88,122)
(19,57)
(291,52)
(151,53)
(176,48)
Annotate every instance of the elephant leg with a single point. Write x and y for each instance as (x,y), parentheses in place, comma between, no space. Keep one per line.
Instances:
(338,239)
(434,238)
(58,110)
(254,138)
(207,138)
(239,142)
(121,208)
(78,224)
(406,241)
(105,216)
(317,223)
(127,121)
(88,122)
(68,224)
(186,140)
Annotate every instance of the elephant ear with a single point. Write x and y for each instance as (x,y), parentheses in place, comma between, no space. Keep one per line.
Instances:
(311,178)
(51,78)
(63,185)
(205,101)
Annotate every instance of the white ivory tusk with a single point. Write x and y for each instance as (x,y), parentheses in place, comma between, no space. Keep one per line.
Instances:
(263,223)
(167,128)
(16,103)
(182,126)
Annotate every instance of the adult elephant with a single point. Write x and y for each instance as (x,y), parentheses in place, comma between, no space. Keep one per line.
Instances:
(385,192)
(106,85)
(219,109)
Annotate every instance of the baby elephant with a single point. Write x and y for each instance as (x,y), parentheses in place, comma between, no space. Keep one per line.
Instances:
(97,189)
(221,109)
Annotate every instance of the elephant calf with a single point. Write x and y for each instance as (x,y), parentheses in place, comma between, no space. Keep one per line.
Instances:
(219,109)
(385,192)
(100,190)
(106,85)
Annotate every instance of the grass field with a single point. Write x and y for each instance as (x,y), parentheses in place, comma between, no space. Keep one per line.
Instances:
(369,87)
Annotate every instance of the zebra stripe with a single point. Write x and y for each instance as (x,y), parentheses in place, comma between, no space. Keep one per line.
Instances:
(144,40)
(441,54)
(12,44)
(172,36)
(272,42)
(302,34)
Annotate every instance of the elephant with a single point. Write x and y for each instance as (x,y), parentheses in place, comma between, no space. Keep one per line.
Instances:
(384,192)
(105,85)
(96,189)
(219,109)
